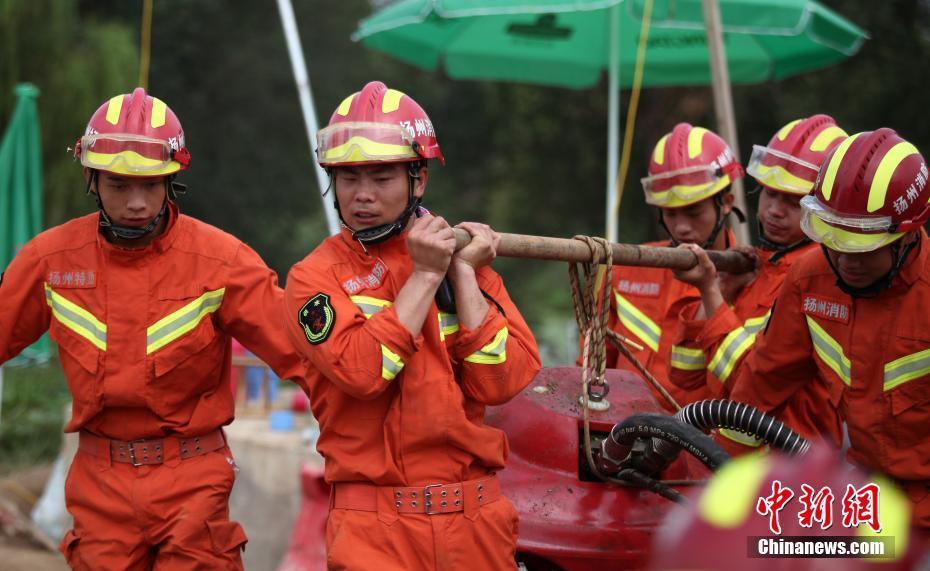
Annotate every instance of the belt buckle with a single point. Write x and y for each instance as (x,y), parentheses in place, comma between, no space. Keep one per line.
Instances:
(132,451)
(427,503)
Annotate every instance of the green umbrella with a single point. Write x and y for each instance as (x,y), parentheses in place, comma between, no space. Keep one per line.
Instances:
(567,42)
(21,188)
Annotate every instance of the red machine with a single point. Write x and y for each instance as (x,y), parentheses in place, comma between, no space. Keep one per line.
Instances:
(569,519)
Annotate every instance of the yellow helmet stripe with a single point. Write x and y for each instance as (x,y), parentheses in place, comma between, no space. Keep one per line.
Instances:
(695,140)
(114,108)
(825,137)
(730,497)
(890,163)
(159,110)
(829,178)
(391,101)
(786,130)
(659,154)
(343,108)
(895,508)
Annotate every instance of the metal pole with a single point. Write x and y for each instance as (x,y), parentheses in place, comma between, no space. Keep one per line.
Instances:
(145,49)
(299,66)
(613,121)
(723,99)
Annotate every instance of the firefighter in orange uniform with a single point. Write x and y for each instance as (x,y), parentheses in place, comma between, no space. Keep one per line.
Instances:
(854,316)
(142,302)
(399,382)
(690,172)
(709,351)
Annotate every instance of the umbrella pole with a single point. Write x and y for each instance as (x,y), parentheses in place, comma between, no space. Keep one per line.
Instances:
(1,394)
(302,79)
(723,99)
(613,121)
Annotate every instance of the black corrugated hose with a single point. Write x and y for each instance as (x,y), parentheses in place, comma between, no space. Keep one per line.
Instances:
(710,414)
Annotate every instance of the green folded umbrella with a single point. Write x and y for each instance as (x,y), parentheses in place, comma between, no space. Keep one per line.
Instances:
(21,187)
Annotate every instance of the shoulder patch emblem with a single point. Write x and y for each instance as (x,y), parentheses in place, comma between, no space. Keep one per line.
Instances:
(317,317)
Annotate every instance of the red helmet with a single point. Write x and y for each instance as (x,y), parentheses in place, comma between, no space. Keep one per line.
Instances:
(792,159)
(377,125)
(136,135)
(688,165)
(871,190)
(814,496)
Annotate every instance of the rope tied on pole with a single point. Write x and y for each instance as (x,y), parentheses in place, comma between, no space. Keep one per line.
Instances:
(592,306)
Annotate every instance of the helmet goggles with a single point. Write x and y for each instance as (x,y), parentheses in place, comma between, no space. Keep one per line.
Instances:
(843,233)
(358,142)
(129,154)
(688,185)
(781,171)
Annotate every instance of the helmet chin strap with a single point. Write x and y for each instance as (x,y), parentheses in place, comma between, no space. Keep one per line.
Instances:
(781,250)
(383,232)
(718,225)
(898,256)
(125,232)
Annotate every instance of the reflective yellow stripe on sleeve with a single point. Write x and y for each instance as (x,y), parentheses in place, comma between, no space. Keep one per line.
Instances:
(77,319)
(494,353)
(391,364)
(735,345)
(182,321)
(448,324)
(637,322)
(906,369)
(369,305)
(688,359)
(829,351)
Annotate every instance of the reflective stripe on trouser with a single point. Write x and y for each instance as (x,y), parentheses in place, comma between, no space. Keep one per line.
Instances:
(637,322)
(829,351)
(688,359)
(448,542)
(182,321)
(143,517)
(391,364)
(494,353)
(735,345)
(77,319)
(906,369)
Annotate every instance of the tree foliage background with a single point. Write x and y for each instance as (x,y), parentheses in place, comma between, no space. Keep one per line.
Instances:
(523,158)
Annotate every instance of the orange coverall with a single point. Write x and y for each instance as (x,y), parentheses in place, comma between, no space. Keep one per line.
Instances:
(871,353)
(709,352)
(645,307)
(144,342)
(399,413)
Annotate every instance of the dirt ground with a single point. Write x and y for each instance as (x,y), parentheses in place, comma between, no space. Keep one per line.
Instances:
(19,551)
